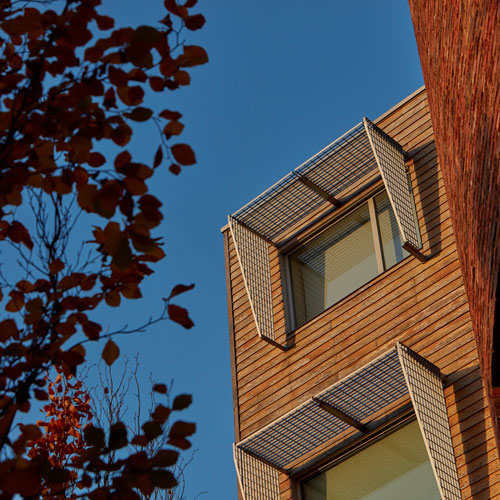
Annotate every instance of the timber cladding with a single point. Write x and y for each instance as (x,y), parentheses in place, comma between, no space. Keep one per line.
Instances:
(422,305)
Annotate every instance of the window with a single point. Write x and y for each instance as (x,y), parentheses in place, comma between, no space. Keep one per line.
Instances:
(344,257)
(396,466)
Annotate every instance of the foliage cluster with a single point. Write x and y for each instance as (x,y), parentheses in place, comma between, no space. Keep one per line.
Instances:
(70,82)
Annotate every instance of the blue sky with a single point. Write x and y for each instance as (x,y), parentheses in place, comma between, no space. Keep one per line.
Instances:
(284,80)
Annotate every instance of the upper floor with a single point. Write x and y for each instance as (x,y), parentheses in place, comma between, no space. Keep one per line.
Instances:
(332,266)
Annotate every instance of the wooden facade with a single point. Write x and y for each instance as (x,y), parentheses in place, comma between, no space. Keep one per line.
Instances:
(422,305)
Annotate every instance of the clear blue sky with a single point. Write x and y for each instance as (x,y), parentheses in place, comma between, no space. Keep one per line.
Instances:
(285,78)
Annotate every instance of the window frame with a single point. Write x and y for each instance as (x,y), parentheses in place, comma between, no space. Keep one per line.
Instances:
(405,418)
(309,233)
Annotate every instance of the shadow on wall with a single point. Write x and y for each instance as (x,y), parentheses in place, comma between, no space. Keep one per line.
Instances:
(473,438)
(425,162)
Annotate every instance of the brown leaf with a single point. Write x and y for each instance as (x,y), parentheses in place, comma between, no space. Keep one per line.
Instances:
(96,159)
(117,76)
(139,114)
(175,169)
(182,401)
(161,388)
(170,115)
(40,395)
(31,431)
(152,430)
(110,352)
(16,301)
(192,56)
(182,77)
(56,266)
(178,289)
(194,22)
(105,22)
(182,429)
(173,128)
(19,234)
(160,414)
(156,83)
(112,298)
(163,479)
(165,458)
(183,154)
(158,157)
(94,436)
(180,315)
(117,436)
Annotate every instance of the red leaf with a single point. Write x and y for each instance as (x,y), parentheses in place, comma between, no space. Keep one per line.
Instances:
(139,114)
(117,77)
(156,83)
(170,115)
(180,315)
(56,266)
(182,401)
(41,395)
(175,169)
(178,289)
(105,22)
(182,429)
(96,159)
(161,388)
(192,56)
(173,128)
(183,154)
(158,157)
(110,352)
(19,234)
(194,22)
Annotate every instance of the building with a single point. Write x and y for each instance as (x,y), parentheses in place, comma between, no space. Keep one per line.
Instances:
(354,363)
(459,47)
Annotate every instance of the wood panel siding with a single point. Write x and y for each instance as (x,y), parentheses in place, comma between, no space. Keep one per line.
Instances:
(422,305)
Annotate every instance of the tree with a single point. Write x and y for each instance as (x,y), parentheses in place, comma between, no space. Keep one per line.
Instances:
(75,406)
(66,90)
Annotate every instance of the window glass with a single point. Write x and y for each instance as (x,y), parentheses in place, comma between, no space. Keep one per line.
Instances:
(390,237)
(343,257)
(394,468)
(334,264)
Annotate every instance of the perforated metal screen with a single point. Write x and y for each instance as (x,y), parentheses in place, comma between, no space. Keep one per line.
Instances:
(390,159)
(258,481)
(333,169)
(426,391)
(253,256)
(351,158)
(360,396)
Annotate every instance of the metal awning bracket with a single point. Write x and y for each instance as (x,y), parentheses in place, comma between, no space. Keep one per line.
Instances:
(339,414)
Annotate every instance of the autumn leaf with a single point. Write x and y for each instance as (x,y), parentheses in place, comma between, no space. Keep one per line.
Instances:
(165,458)
(182,401)
(158,157)
(183,154)
(117,436)
(110,352)
(94,436)
(161,388)
(180,315)
(178,289)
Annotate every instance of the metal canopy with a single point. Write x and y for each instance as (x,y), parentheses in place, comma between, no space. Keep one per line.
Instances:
(306,188)
(331,176)
(359,397)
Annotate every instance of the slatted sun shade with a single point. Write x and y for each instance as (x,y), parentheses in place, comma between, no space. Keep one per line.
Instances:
(390,159)
(323,178)
(353,400)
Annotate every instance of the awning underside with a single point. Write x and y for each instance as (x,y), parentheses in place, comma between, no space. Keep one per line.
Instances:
(359,396)
(306,188)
